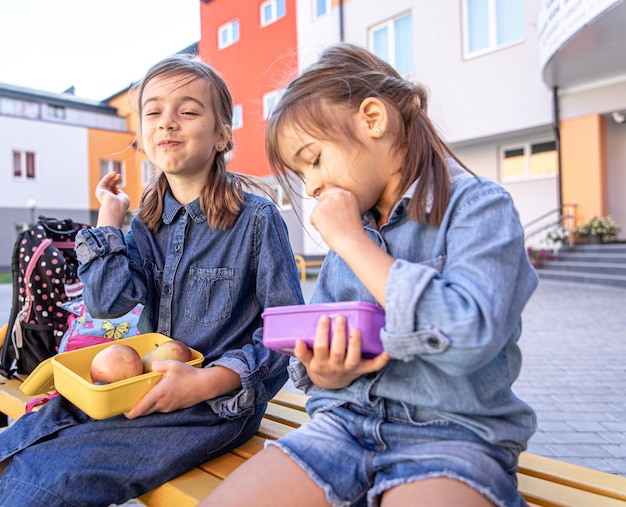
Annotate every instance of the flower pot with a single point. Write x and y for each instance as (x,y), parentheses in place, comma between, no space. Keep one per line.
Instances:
(594,239)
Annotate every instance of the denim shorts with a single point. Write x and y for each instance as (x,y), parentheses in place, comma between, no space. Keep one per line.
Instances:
(355,454)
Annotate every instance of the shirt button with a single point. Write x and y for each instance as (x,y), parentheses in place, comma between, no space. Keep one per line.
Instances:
(433,342)
(166,289)
(177,247)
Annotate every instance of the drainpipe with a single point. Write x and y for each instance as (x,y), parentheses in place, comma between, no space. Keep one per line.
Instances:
(341,36)
(556,125)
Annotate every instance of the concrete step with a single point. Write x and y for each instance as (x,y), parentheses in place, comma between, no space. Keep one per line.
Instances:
(617,268)
(582,277)
(599,264)
(608,258)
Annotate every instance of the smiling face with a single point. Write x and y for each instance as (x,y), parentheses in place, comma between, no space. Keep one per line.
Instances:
(179,129)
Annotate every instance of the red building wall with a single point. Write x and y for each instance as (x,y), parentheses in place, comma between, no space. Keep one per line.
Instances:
(264,59)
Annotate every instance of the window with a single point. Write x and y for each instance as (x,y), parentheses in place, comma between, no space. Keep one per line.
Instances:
(536,159)
(237,116)
(492,24)
(269,99)
(272,10)
(24,165)
(393,42)
(228,34)
(148,172)
(55,112)
(109,166)
(322,7)
(281,196)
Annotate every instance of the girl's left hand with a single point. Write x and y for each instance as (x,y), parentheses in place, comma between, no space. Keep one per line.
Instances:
(177,389)
(336,366)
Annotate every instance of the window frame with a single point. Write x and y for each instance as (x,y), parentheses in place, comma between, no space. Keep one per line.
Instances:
(328,8)
(527,147)
(24,165)
(227,28)
(274,14)
(148,172)
(269,99)
(492,20)
(110,165)
(237,116)
(390,26)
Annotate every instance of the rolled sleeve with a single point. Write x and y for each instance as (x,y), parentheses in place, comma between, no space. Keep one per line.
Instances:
(401,336)
(97,242)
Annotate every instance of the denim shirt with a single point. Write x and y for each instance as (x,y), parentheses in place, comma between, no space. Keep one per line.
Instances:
(206,287)
(454,299)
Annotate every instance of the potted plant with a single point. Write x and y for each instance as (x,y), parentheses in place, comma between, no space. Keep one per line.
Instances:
(598,229)
(537,256)
(556,236)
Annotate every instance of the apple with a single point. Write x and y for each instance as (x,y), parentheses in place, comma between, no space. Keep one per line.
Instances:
(171,349)
(115,362)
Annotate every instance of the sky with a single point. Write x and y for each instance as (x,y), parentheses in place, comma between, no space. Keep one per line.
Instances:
(99,48)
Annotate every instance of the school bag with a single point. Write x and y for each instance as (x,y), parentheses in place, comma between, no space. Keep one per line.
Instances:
(44,272)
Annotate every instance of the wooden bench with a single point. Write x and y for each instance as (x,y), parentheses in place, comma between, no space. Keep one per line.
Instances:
(542,481)
(302,264)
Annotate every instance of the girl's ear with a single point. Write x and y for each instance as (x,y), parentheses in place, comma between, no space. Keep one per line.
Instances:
(223,139)
(373,114)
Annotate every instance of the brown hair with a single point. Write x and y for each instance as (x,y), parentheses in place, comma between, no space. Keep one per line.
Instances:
(222,196)
(324,98)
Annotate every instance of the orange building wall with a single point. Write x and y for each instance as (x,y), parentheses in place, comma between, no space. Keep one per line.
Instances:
(106,144)
(263,60)
(583,165)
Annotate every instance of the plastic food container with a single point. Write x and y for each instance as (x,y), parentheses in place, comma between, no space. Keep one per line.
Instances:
(283,325)
(70,376)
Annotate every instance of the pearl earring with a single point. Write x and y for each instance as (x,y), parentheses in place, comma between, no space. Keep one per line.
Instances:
(220,146)
(379,131)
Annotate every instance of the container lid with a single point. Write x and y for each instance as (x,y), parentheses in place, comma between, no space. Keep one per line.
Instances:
(40,380)
(324,307)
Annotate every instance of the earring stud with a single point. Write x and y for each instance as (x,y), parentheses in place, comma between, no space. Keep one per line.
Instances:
(220,146)
(379,131)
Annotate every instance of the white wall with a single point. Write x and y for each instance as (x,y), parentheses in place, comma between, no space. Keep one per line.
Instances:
(61,164)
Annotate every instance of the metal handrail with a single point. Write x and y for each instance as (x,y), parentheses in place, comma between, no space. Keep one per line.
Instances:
(566,216)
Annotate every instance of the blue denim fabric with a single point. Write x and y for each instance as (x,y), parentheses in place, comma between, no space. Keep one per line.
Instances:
(203,286)
(384,445)
(453,315)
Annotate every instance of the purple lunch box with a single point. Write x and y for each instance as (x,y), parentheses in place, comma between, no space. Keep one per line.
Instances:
(283,325)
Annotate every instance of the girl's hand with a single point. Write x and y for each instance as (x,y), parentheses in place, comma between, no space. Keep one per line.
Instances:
(177,389)
(338,219)
(114,203)
(183,386)
(335,366)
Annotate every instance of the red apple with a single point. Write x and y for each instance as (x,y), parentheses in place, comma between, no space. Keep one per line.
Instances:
(115,362)
(171,349)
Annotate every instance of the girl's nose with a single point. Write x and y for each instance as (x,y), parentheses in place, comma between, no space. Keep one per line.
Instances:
(167,123)
(313,188)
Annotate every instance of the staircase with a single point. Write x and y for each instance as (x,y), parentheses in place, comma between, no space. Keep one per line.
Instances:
(603,264)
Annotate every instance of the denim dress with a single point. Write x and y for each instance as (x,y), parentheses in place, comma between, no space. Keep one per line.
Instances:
(203,286)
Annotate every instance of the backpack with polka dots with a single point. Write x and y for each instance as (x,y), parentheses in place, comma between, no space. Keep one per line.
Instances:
(44,268)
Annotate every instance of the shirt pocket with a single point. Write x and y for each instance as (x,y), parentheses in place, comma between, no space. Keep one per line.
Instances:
(210,294)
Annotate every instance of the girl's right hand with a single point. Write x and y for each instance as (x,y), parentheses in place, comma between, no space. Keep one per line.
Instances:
(336,366)
(114,203)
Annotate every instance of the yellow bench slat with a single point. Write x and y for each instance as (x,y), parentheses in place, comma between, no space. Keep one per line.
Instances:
(291,400)
(12,400)
(286,415)
(186,490)
(573,475)
(550,494)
